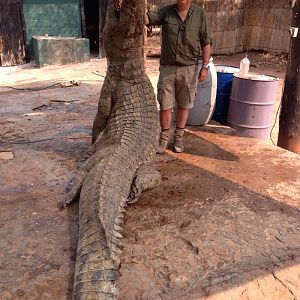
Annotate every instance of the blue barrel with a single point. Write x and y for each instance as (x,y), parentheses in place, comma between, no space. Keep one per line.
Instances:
(224,83)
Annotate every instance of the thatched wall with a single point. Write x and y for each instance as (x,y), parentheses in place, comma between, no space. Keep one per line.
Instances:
(241,25)
(267,25)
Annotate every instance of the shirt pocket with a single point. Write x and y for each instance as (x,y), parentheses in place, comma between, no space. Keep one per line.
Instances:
(192,36)
(170,27)
(192,40)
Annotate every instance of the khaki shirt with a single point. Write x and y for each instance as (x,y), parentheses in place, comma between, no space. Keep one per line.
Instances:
(181,40)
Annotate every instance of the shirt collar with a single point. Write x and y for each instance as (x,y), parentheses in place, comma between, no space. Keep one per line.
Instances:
(190,11)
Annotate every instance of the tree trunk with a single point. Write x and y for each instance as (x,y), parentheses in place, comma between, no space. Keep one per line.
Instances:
(289,122)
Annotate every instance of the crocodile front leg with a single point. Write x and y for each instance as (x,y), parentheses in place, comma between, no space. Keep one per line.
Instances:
(104,109)
(147,178)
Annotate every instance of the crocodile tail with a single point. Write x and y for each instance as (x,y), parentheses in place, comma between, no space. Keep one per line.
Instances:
(101,210)
(113,193)
(95,270)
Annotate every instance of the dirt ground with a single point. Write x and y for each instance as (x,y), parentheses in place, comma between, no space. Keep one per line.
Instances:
(224,224)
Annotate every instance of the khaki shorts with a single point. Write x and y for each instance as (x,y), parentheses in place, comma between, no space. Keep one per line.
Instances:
(177,86)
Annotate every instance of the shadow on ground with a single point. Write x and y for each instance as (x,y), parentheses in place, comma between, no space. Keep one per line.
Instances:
(200,234)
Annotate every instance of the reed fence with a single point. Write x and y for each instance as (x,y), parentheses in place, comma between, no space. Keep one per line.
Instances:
(243,25)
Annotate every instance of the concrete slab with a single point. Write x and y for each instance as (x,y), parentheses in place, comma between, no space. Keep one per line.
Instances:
(223,225)
(60,50)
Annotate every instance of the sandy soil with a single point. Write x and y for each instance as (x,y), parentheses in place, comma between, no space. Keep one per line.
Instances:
(224,224)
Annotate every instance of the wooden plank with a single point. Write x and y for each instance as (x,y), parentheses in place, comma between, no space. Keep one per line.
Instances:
(12,46)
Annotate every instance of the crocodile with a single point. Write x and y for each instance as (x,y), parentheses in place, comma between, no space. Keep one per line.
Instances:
(125,139)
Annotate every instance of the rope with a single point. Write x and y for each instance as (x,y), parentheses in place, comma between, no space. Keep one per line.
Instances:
(33,89)
(37,89)
(31,142)
(279,107)
(277,113)
(98,74)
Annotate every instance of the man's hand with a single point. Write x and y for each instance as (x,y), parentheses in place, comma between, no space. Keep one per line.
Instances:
(202,74)
(146,19)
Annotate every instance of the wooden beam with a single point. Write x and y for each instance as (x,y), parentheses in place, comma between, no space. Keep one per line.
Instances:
(82,14)
(26,54)
(289,122)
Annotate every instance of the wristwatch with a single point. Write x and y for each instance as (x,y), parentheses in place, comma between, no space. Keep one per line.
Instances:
(206,66)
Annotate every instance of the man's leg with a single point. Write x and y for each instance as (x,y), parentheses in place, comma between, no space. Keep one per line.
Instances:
(165,123)
(181,118)
(165,118)
(165,97)
(185,95)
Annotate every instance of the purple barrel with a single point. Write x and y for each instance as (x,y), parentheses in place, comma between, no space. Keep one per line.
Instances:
(251,104)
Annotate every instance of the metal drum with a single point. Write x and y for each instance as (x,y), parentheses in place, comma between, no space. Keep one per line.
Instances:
(224,79)
(251,106)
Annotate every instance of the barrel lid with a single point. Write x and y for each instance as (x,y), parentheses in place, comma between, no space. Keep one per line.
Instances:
(226,69)
(257,77)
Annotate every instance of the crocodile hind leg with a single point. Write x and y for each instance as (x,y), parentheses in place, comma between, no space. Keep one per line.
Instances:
(146,179)
(103,112)
(73,187)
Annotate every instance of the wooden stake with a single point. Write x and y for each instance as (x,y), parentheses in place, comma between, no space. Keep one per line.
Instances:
(145,40)
(289,122)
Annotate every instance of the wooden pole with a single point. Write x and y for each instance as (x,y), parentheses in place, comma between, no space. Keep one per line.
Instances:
(82,14)
(145,39)
(24,44)
(289,122)
(102,16)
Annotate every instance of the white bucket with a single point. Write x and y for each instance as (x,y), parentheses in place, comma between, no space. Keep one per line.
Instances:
(205,99)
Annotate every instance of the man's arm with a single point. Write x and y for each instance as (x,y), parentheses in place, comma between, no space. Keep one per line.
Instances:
(146,21)
(155,18)
(206,53)
(206,42)
(206,49)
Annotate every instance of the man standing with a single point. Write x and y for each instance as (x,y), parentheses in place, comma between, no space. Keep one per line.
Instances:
(184,34)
